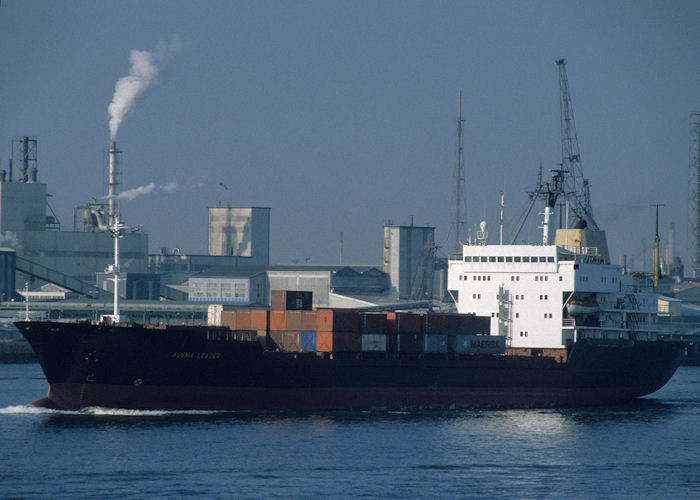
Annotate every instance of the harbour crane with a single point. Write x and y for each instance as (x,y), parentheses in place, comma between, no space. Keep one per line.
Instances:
(574,182)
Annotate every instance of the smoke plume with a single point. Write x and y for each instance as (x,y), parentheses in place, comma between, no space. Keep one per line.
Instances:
(143,73)
(130,194)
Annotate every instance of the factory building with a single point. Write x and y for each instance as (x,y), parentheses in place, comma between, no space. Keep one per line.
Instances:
(235,270)
(29,226)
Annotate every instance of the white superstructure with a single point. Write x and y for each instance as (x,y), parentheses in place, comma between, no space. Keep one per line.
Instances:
(547,296)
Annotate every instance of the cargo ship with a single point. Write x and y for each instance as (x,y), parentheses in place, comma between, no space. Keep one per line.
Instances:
(537,326)
(545,325)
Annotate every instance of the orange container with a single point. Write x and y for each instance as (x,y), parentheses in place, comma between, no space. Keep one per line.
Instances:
(278,320)
(324,341)
(258,319)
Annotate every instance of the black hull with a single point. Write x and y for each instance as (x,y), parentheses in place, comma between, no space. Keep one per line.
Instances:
(203,369)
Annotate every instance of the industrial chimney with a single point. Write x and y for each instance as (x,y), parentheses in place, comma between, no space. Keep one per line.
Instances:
(113,180)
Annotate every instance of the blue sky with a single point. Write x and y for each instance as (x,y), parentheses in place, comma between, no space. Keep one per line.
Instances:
(341,116)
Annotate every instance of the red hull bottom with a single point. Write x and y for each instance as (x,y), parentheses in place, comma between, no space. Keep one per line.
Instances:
(75,396)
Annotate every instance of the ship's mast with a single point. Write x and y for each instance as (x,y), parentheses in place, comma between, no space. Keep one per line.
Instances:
(116,228)
(460,220)
(656,270)
(575,183)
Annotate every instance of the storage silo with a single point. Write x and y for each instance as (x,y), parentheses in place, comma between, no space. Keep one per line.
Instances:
(409,253)
(242,232)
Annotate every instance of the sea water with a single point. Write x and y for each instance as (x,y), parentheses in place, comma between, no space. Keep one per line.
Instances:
(649,448)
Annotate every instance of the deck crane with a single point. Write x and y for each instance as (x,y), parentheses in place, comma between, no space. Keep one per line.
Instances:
(574,182)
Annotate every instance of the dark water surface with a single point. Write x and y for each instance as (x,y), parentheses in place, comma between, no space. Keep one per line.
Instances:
(646,449)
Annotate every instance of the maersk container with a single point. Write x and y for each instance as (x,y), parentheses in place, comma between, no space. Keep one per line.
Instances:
(308,340)
(374,342)
(478,344)
(435,342)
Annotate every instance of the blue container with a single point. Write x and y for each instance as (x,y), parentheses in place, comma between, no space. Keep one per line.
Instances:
(434,342)
(308,340)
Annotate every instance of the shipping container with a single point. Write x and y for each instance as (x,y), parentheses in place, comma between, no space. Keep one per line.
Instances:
(478,344)
(435,323)
(337,341)
(324,341)
(278,320)
(435,342)
(228,318)
(468,324)
(214,314)
(290,300)
(338,320)
(286,340)
(373,342)
(293,320)
(409,342)
(373,322)
(404,322)
(308,340)
(243,319)
(259,319)
(308,320)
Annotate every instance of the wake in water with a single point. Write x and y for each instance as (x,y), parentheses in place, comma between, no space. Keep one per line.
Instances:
(100,411)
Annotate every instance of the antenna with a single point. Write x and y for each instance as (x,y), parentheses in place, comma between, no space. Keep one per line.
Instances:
(655,270)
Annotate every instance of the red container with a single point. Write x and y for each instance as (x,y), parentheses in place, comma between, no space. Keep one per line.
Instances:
(308,320)
(243,319)
(293,320)
(228,318)
(338,320)
(373,322)
(286,340)
(278,320)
